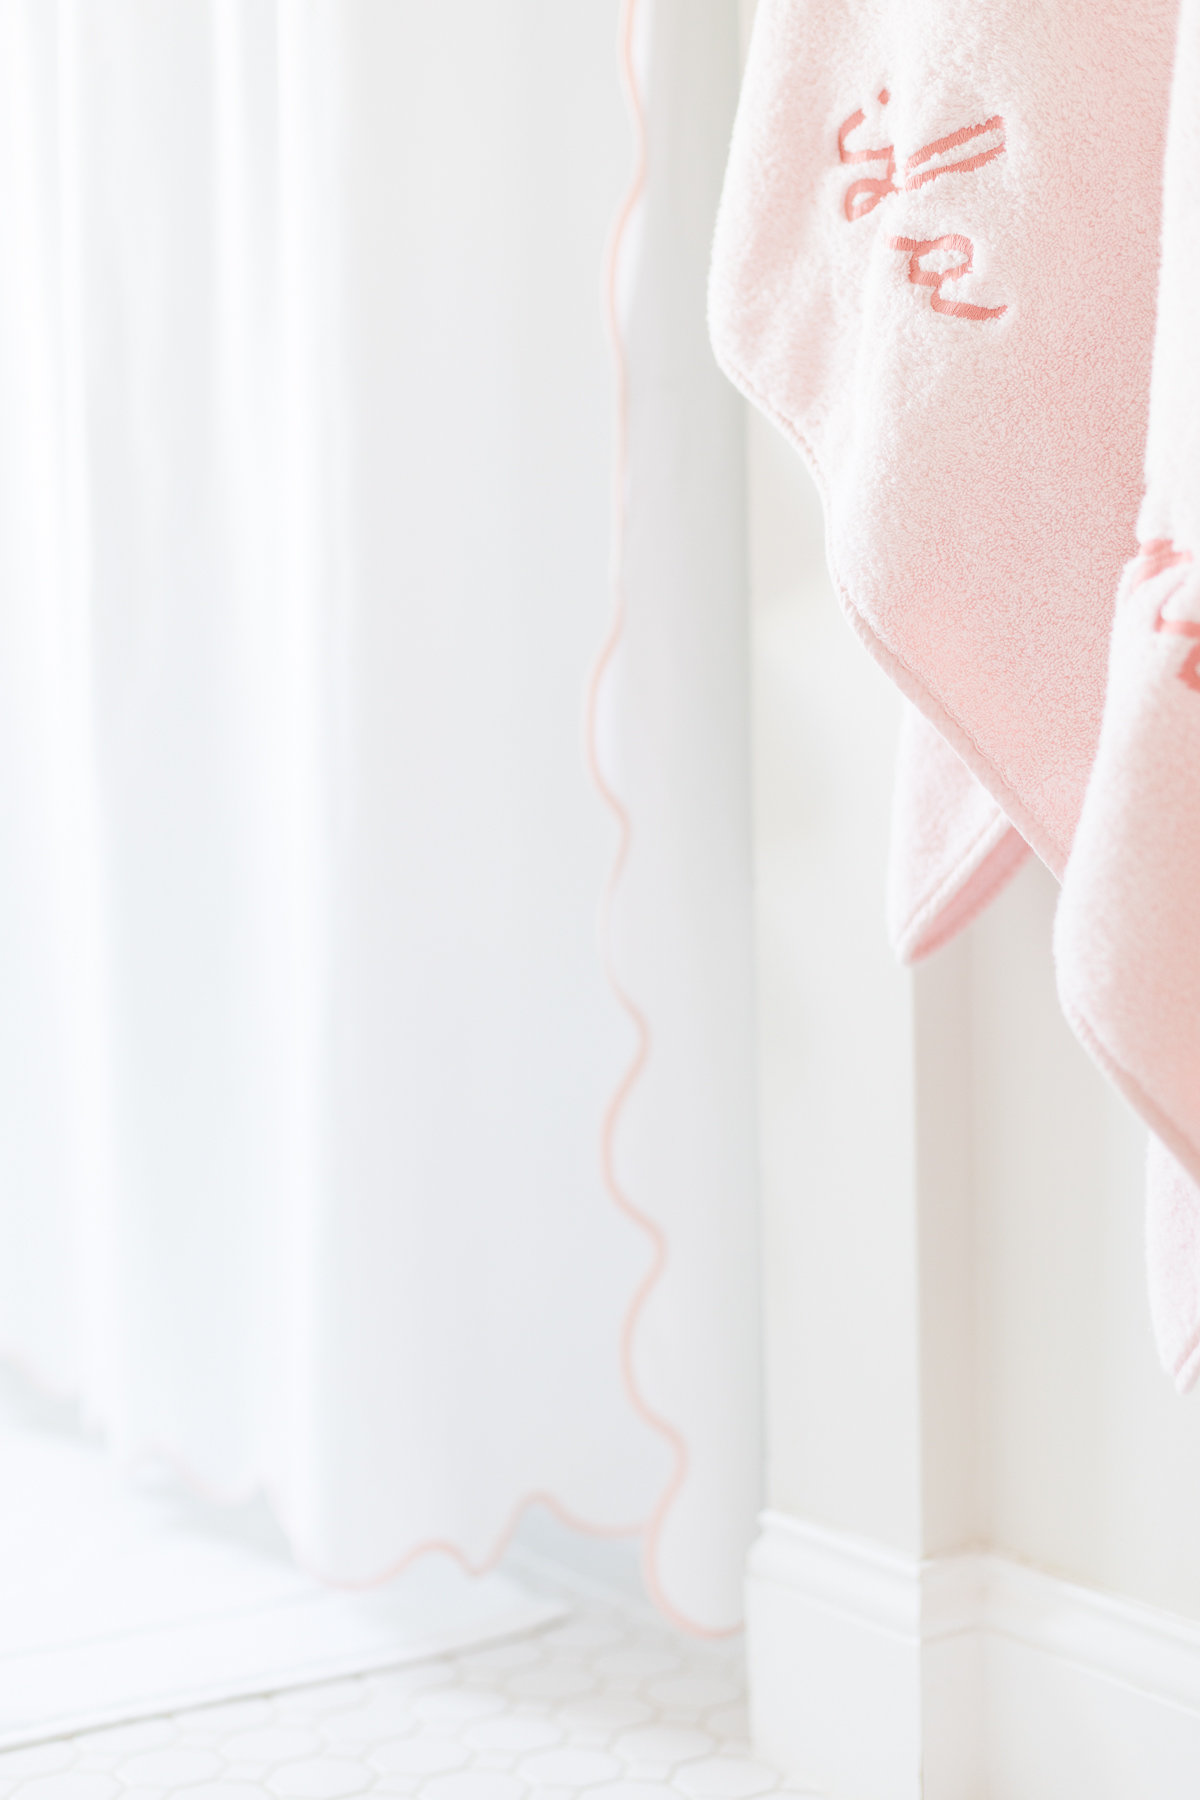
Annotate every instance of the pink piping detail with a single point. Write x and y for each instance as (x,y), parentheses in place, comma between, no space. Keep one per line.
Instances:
(630,1008)
(916,248)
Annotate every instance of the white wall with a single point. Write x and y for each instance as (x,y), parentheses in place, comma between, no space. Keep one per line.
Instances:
(835,1036)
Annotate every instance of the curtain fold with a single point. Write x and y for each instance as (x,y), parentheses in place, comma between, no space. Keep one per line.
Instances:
(304,515)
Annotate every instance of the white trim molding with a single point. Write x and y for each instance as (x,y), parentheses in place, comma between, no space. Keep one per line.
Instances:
(967,1677)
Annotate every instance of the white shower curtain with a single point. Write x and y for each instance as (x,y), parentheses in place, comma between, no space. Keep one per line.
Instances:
(305,1045)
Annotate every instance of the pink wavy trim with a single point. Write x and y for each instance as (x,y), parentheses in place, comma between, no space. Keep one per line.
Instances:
(653,1528)
(616,629)
(156,1450)
(192,1477)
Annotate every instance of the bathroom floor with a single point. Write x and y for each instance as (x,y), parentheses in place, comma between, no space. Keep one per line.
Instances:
(612,1701)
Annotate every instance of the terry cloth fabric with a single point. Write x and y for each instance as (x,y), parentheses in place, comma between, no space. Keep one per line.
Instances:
(1127,944)
(952,849)
(933,269)
(1125,935)
(951,853)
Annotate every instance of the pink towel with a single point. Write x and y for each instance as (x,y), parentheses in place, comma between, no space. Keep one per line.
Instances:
(1128,975)
(1128,963)
(952,849)
(1128,970)
(933,268)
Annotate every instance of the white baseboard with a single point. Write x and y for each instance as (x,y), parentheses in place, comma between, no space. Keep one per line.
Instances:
(968,1677)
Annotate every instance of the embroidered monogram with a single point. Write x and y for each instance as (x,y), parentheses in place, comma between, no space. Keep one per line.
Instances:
(1159,555)
(956,141)
(983,142)
(937,278)
(864,195)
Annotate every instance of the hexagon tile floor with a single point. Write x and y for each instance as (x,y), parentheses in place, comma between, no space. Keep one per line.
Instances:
(612,1703)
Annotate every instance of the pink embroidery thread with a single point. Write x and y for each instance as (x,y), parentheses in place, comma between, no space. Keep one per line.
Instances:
(870,190)
(864,195)
(955,140)
(936,279)
(1157,556)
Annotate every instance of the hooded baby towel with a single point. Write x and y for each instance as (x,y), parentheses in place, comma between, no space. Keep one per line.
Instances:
(1126,934)
(952,849)
(934,268)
